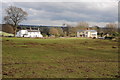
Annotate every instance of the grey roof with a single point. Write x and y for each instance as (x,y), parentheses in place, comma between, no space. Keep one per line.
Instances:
(92,30)
(80,30)
(87,30)
(33,30)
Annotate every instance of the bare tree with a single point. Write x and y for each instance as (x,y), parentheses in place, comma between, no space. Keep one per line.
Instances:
(82,25)
(111,28)
(68,27)
(60,31)
(14,16)
(69,30)
(97,28)
(53,31)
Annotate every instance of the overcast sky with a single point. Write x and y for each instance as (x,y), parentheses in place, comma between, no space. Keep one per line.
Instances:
(56,13)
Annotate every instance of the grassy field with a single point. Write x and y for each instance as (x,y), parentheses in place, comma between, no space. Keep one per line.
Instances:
(59,58)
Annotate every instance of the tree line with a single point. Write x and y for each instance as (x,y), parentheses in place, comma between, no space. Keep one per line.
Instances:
(111,29)
(15,15)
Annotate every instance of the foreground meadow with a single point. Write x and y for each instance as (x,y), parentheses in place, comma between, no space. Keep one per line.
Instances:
(59,58)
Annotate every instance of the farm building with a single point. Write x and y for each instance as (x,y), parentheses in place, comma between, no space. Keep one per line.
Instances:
(87,33)
(29,33)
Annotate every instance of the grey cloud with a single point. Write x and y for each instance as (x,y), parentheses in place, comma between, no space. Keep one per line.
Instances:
(71,12)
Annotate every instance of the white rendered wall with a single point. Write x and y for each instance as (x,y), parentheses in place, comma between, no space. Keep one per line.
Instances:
(25,33)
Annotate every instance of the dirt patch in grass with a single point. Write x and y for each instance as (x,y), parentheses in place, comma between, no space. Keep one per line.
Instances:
(56,46)
(90,48)
(114,46)
(8,42)
(31,43)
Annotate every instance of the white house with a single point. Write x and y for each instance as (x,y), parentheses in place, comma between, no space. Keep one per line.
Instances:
(29,33)
(87,33)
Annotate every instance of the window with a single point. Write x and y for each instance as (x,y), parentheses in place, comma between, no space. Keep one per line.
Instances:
(93,34)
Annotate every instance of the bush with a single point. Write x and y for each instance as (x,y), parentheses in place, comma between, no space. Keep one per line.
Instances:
(94,37)
(45,35)
(109,38)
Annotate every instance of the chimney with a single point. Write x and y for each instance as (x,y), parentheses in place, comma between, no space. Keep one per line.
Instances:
(30,28)
(38,29)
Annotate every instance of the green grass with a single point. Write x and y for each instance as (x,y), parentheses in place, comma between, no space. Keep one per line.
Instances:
(6,34)
(59,58)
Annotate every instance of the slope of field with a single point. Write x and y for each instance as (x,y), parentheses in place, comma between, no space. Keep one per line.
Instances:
(59,58)
(5,34)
